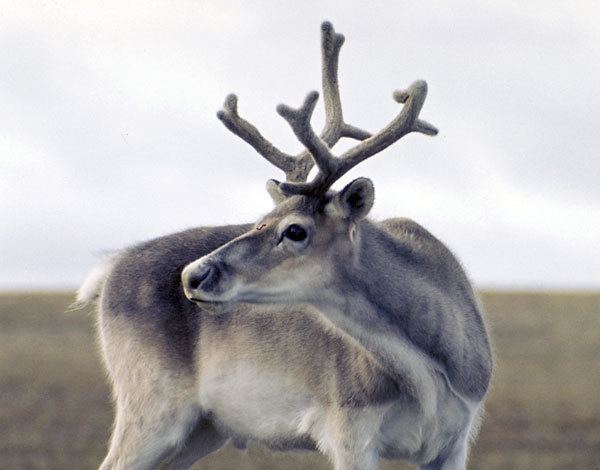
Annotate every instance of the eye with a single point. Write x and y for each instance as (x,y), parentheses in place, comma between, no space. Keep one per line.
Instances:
(295,233)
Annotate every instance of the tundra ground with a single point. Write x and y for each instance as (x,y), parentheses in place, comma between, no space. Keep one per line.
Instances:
(543,410)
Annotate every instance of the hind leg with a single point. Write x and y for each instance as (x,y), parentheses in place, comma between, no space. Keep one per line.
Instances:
(203,440)
(144,435)
(155,399)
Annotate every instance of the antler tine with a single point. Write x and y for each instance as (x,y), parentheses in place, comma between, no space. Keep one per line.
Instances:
(299,120)
(331,168)
(297,168)
(331,44)
(335,127)
(247,132)
(407,121)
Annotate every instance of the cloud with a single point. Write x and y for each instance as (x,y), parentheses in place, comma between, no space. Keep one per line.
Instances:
(109,133)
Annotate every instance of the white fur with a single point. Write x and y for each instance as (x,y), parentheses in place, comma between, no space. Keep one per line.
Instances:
(94,282)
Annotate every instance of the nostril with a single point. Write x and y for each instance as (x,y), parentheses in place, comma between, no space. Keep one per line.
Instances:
(199,276)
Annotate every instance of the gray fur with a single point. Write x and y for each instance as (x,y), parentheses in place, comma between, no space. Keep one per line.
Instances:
(156,333)
(162,351)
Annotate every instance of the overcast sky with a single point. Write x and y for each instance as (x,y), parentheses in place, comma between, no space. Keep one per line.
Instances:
(108,134)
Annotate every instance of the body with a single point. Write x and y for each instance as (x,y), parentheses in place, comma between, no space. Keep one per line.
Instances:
(315,328)
(286,376)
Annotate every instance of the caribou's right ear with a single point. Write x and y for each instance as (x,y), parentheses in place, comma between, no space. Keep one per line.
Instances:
(275,191)
(354,201)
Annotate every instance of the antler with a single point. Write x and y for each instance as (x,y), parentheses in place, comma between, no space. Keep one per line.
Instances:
(332,168)
(297,167)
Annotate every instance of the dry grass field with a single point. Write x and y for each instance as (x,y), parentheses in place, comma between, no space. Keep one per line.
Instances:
(543,411)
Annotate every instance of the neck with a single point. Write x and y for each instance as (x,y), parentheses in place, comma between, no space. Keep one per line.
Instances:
(371,301)
(375,283)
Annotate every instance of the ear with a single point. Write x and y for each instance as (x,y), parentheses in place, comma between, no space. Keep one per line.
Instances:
(275,191)
(355,201)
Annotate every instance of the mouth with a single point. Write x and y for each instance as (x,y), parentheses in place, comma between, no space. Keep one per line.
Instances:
(211,306)
(196,296)
(203,302)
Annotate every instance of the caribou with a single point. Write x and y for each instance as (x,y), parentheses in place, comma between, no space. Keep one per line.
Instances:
(313,328)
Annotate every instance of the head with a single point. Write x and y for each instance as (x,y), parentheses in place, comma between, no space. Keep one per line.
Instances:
(292,255)
(299,248)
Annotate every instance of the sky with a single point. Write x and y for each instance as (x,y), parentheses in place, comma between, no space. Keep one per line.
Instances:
(109,135)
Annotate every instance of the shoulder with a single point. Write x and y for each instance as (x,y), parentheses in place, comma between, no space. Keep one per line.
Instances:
(401,227)
(414,237)
(422,248)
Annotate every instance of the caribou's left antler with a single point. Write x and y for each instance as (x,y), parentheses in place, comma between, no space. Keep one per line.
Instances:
(296,168)
(332,168)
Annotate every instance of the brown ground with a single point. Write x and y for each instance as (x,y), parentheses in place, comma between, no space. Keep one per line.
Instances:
(543,411)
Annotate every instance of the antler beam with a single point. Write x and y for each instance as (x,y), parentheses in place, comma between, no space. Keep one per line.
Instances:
(332,168)
(297,168)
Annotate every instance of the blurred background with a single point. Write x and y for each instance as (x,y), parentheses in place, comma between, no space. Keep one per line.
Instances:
(108,136)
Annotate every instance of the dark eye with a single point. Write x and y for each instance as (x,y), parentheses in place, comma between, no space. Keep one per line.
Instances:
(295,233)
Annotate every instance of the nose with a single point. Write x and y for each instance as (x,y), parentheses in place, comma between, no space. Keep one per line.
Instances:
(196,277)
(200,278)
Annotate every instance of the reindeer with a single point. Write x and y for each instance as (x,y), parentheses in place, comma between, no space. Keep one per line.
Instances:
(312,329)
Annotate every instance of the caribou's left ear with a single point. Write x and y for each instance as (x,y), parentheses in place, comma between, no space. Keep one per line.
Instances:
(275,191)
(355,201)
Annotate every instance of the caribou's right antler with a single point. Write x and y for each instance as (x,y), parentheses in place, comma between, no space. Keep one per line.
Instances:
(332,168)
(296,168)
